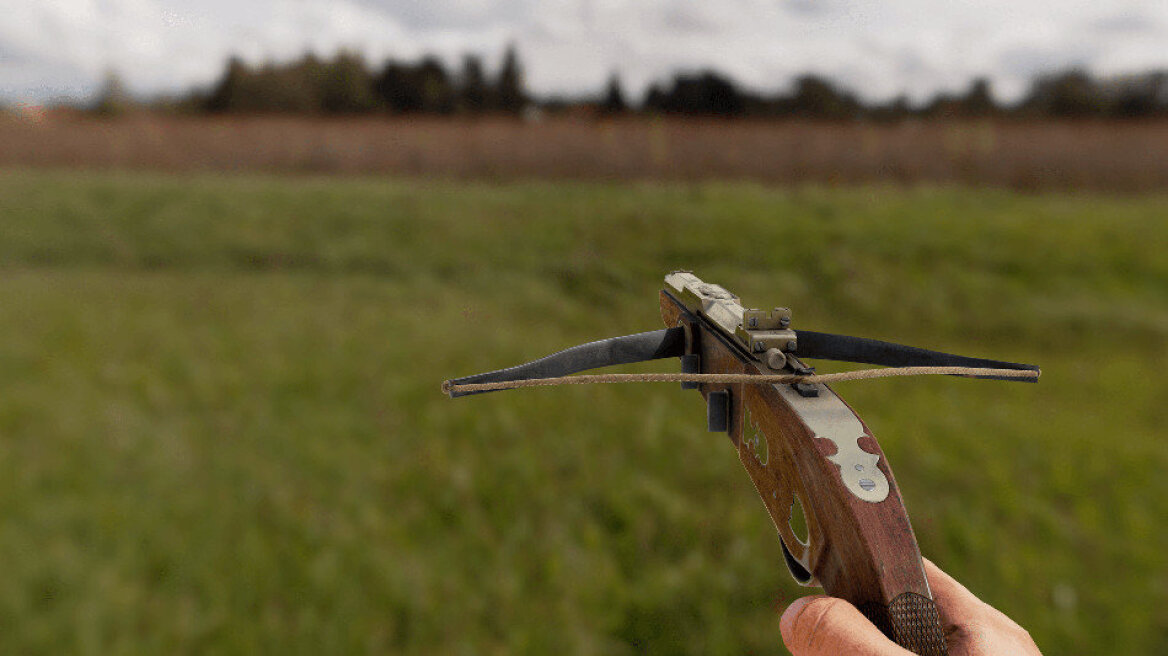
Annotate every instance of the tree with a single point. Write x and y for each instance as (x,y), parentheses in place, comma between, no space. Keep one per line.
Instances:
(434,87)
(423,88)
(1068,94)
(511,96)
(227,92)
(1141,95)
(614,97)
(705,93)
(896,109)
(113,99)
(979,100)
(292,87)
(654,99)
(296,88)
(473,89)
(816,97)
(394,88)
(345,86)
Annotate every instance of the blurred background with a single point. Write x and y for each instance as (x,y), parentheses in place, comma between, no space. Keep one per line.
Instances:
(241,245)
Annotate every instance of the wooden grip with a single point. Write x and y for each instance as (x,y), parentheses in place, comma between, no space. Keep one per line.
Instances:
(815,453)
(859,550)
(911,621)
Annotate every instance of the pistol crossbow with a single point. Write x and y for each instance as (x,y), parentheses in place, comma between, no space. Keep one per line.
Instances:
(802,445)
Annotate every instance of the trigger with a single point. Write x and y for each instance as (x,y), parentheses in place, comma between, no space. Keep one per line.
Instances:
(797,570)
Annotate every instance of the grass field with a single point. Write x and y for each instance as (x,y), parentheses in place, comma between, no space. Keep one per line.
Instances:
(221,429)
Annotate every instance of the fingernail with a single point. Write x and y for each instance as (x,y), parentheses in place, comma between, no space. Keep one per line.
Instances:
(791,613)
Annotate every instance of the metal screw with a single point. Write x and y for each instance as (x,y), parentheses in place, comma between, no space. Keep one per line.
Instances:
(868,484)
(776,359)
(791,346)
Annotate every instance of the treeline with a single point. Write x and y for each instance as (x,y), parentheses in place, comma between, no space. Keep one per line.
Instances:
(1070,94)
(345,84)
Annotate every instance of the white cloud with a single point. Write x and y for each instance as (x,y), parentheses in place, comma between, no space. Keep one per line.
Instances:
(571,46)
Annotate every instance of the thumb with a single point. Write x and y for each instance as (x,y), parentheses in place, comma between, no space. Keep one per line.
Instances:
(817,625)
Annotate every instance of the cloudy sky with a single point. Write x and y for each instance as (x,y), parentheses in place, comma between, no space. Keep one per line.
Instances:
(62,48)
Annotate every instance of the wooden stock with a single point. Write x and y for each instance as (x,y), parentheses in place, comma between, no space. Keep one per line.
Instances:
(861,551)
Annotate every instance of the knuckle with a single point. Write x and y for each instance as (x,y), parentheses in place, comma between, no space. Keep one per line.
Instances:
(971,629)
(813,619)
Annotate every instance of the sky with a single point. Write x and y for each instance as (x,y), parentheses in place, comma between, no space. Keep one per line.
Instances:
(56,49)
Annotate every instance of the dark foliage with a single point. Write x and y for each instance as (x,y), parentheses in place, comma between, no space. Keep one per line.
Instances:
(614,97)
(474,92)
(422,88)
(1076,94)
(509,88)
(706,93)
(306,86)
(1070,94)
(344,85)
(816,97)
(977,102)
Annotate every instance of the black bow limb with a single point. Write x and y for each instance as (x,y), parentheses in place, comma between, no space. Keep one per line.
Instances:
(653,345)
(844,348)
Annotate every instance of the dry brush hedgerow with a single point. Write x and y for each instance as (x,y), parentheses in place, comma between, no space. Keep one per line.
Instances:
(1101,155)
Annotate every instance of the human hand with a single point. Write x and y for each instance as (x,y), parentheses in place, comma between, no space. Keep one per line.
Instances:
(827,626)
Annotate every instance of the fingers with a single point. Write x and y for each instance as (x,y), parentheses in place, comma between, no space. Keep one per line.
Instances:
(973,627)
(825,625)
(955,603)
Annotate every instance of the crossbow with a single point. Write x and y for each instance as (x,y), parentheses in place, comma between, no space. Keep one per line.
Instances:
(805,449)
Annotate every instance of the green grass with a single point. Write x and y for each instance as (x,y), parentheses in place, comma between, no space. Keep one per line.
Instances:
(221,429)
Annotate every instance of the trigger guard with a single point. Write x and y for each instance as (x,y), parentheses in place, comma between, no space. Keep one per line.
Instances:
(797,570)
